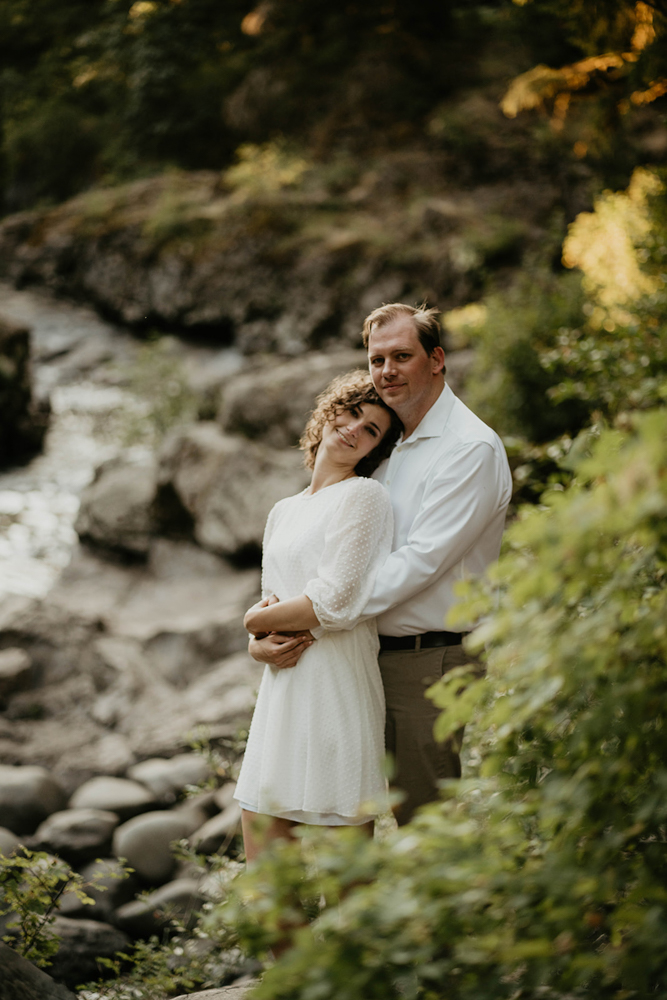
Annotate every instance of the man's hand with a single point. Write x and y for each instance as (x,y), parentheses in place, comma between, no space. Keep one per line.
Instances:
(280,651)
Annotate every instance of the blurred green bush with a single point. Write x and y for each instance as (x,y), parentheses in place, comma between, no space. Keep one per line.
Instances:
(544,875)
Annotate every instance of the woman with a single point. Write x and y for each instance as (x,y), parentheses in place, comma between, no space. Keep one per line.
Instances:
(316,744)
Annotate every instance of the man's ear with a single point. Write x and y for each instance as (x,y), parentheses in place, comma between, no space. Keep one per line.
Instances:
(438,359)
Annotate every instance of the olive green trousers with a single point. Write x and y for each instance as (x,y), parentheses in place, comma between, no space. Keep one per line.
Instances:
(419,762)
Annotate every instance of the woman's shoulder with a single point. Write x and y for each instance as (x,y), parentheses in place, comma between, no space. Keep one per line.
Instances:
(370,491)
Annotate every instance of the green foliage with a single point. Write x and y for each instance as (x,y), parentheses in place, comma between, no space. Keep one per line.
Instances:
(508,384)
(32,885)
(190,959)
(546,875)
(556,352)
(164,395)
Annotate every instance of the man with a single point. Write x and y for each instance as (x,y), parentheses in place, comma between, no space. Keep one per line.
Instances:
(449,483)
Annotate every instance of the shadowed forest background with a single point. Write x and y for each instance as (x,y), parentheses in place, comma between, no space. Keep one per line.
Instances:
(259,178)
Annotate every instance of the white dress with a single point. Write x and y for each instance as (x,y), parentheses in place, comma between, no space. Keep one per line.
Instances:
(315,750)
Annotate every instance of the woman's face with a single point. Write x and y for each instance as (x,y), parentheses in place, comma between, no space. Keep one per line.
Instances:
(352,434)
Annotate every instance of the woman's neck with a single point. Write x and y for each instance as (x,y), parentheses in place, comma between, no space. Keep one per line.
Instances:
(326,474)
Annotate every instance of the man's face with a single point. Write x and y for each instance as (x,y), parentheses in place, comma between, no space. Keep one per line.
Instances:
(402,372)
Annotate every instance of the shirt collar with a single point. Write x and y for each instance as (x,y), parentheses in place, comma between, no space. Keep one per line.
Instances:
(434,420)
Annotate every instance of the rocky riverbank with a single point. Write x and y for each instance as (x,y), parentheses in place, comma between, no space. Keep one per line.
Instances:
(127,568)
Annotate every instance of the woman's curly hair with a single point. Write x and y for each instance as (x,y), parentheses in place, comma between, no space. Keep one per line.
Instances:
(346,392)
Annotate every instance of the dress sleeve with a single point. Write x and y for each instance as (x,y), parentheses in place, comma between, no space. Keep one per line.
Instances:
(357,541)
(270,523)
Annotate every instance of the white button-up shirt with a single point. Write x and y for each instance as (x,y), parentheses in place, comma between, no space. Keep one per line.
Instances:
(449,484)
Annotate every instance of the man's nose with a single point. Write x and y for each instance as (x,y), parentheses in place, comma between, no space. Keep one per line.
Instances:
(388,368)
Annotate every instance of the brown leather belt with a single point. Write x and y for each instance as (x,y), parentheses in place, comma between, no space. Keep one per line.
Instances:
(427,640)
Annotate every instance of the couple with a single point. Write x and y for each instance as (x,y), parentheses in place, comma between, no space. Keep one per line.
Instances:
(354,556)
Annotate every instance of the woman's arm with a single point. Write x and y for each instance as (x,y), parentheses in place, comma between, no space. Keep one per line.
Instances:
(284,616)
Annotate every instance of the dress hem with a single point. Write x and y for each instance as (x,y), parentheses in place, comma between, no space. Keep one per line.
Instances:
(311,818)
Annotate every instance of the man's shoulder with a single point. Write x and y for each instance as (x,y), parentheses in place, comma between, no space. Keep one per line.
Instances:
(465,428)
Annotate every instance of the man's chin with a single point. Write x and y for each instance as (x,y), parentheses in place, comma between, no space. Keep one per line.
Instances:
(391,394)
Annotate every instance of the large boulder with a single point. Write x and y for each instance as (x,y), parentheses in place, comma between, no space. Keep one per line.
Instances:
(116,508)
(227,484)
(178,900)
(166,778)
(218,832)
(23,422)
(236,991)
(82,943)
(8,841)
(272,403)
(27,796)
(14,671)
(21,980)
(114,795)
(145,842)
(77,835)
(108,884)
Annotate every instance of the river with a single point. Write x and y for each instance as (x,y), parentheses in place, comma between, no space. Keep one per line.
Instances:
(84,365)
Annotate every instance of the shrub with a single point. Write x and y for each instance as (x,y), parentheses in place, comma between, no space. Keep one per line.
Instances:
(545,875)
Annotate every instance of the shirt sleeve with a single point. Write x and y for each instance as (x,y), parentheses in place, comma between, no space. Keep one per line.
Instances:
(357,542)
(458,503)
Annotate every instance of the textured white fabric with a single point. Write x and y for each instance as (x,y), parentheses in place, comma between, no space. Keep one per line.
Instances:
(449,484)
(315,750)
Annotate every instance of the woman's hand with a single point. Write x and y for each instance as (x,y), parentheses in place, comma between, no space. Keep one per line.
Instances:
(264,603)
(278,650)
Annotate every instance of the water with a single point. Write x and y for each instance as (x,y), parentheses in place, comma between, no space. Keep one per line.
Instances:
(81,363)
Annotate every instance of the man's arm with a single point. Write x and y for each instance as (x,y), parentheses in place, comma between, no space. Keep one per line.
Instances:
(458,504)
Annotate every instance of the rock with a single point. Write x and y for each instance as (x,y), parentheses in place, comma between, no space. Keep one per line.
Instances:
(145,844)
(77,835)
(217,833)
(27,796)
(224,796)
(178,900)
(57,640)
(116,509)
(23,422)
(228,485)
(8,841)
(237,991)
(166,778)
(192,814)
(272,403)
(82,942)
(185,622)
(116,795)
(21,980)
(14,671)
(114,887)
